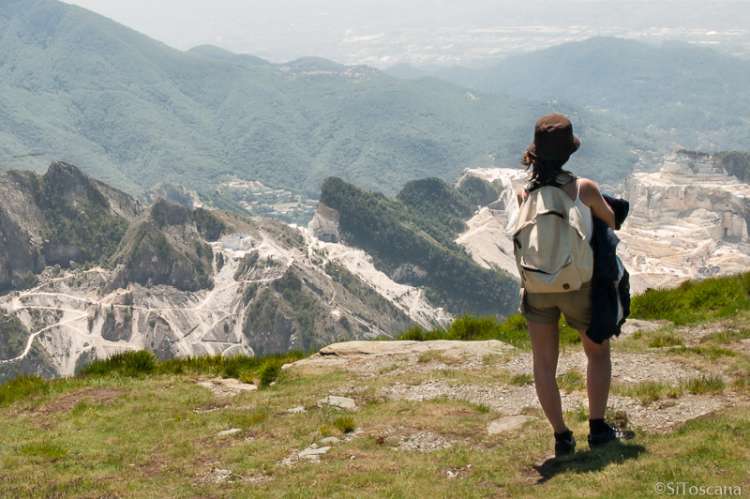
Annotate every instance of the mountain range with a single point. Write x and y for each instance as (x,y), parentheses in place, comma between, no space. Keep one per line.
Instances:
(662,95)
(134,112)
(87,271)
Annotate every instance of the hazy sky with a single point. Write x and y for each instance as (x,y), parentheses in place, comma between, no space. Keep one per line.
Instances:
(384,32)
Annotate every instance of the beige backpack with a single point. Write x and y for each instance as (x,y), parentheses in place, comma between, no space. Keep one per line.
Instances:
(552,250)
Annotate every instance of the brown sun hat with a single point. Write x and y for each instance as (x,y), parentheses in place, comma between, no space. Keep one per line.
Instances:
(553,139)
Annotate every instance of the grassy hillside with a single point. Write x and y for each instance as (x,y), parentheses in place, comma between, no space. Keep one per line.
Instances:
(695,301)
(134,113)
(412,239)
(134,426)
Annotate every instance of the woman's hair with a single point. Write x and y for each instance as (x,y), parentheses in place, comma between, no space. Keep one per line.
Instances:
(545,172)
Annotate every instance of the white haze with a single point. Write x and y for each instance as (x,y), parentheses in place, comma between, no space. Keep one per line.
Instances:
(424,32)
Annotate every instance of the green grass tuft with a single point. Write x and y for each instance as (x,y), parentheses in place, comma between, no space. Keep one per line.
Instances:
(726,337)
(710,352)
(345,424)
(571,381)
(664,340)
(513,330)
(128,364)
(269,372)
(647,392)
(45,450)
(704,385)
(246,419)
(482,408)
(21,388)
(522,380)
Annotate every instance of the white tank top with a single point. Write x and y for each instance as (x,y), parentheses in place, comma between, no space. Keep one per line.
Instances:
(588,220)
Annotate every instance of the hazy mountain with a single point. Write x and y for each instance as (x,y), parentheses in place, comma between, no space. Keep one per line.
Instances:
(135,113)
(670,94)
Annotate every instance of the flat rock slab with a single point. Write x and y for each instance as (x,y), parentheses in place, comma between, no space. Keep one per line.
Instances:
(312,454)
(507,424)
(371,356)
(632,326)
(330,441)
(217,475)
(228,387)
(339,402)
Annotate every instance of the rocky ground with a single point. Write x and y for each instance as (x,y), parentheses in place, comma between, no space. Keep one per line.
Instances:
(396,419)
(495,374)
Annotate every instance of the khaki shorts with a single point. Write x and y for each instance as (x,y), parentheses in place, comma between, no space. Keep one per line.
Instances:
(545,308)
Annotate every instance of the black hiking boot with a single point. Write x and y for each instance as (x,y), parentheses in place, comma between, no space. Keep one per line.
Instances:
(605,433)
(565,444)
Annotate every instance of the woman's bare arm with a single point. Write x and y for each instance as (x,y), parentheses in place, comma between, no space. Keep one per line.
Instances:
(592,197)
(521,196)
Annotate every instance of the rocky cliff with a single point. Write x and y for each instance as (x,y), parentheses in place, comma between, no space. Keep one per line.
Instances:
(689,219)
(60,218)
(175,280)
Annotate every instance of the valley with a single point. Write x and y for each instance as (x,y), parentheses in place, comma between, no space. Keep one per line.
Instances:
(184,280)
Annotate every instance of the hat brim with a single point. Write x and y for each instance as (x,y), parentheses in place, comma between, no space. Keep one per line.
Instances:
(531,150)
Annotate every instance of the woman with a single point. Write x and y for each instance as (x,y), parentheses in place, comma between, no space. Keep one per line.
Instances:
(554,143)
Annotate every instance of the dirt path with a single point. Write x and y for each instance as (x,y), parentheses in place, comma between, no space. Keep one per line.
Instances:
(33,336)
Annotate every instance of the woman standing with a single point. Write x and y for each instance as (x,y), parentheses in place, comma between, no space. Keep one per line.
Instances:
(552,241)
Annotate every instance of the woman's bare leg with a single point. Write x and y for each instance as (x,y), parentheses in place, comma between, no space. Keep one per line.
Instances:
(598,375)
(545,342)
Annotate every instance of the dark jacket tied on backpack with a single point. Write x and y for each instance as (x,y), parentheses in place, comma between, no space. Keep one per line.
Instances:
(610,284)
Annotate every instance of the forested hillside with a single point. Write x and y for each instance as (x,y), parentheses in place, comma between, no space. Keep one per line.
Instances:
(134,112)
(412,239)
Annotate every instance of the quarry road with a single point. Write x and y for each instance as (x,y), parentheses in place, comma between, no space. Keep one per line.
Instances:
(32,337)
(198,308)
(23,298)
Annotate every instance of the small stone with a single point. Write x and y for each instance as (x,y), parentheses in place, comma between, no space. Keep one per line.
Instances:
(228,433)
(296,410)
(227,387)
(218,475)
(313,453)
(330,440)
(339,402)
(424,442)
(506,424)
